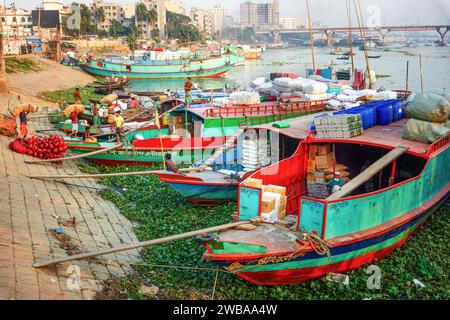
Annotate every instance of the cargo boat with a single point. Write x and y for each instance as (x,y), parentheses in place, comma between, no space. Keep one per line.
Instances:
(212,66)
(193,133)
(361,227)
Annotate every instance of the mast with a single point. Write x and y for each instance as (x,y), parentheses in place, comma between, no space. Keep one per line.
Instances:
(311,38)
(363,38)
(350,34)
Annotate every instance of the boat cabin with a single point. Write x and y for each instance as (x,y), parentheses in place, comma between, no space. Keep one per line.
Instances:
(383,176)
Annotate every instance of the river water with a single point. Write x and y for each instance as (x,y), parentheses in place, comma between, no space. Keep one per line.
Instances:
(392,65)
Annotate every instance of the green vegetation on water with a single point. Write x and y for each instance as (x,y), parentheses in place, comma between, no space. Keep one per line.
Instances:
(17,65)
(159,211)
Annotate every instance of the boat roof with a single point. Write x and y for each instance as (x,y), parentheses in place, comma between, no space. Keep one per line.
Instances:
(390,135)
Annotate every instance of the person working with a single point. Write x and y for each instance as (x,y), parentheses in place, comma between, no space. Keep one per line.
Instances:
(74,119)
(133,104)
(87,130)
(335,184)
(77,96)
(188,86)
(23,124)
(119,123)
(170,165)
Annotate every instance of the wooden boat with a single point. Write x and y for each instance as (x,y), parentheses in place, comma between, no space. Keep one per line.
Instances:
(338,51)
(343,58)
(208,67)
(194,132)
(361,227)
(250,53)
(374,56)
(206,187)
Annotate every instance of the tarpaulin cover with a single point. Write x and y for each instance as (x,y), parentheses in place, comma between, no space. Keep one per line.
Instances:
(429,107)
(424,131)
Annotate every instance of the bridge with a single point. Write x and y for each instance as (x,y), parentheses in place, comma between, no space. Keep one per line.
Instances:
(382,31)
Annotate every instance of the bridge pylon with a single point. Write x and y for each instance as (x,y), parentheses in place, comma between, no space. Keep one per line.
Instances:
(442,33)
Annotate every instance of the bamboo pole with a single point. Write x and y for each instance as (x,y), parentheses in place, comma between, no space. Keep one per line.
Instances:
(93,176)
(407,74)
(350,34)
(45,263)
(421,74)
(78,156)
(158,124)
(311,37)
(363,38)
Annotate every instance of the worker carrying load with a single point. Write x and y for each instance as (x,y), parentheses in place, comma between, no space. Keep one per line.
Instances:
(188,86)
(22,111)
(119,124)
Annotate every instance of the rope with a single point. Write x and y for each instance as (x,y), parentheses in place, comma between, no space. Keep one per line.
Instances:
(320,246)
(215,283)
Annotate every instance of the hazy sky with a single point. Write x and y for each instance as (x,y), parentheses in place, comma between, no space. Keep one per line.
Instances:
(330,12)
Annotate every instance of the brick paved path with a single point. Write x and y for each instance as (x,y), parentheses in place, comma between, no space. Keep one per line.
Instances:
(27,212)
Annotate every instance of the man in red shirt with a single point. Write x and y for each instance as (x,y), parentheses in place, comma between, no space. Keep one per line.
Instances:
(74,118)
(77,96)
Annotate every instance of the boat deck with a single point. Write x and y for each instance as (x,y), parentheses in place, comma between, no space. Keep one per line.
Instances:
(275,238)
(390,135)
(209,176)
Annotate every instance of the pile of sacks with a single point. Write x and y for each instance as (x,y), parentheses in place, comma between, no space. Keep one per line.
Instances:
(245,98)
(350,98)
(429,114)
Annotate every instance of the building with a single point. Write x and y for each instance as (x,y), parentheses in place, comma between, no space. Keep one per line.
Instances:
(260,14)
(175,6)
(217,15)
(52,5)
(112,11)
(160,8)
(201,20)
(228,22)
(16,23)
(294,23)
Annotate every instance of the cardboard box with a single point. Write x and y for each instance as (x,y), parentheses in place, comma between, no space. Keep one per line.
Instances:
(319,174)
(255,183)
(323,149)
(325,161)
(312,151)
(310,166)
(310,177)
(283,205)
(275,189)
(267,204)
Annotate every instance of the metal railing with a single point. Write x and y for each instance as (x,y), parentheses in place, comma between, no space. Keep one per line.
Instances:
(266,110)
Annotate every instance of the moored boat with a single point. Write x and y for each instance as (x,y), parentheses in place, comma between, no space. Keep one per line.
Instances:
(356,228)
(193,65)
(193,133)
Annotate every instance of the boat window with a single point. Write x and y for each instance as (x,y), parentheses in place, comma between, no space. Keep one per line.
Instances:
(350,161)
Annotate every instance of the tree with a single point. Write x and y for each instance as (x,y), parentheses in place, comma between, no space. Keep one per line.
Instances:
(179,27)
(141,16)
(117,29)
(132,41)
(86,26)
(99,17)
(151,19)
